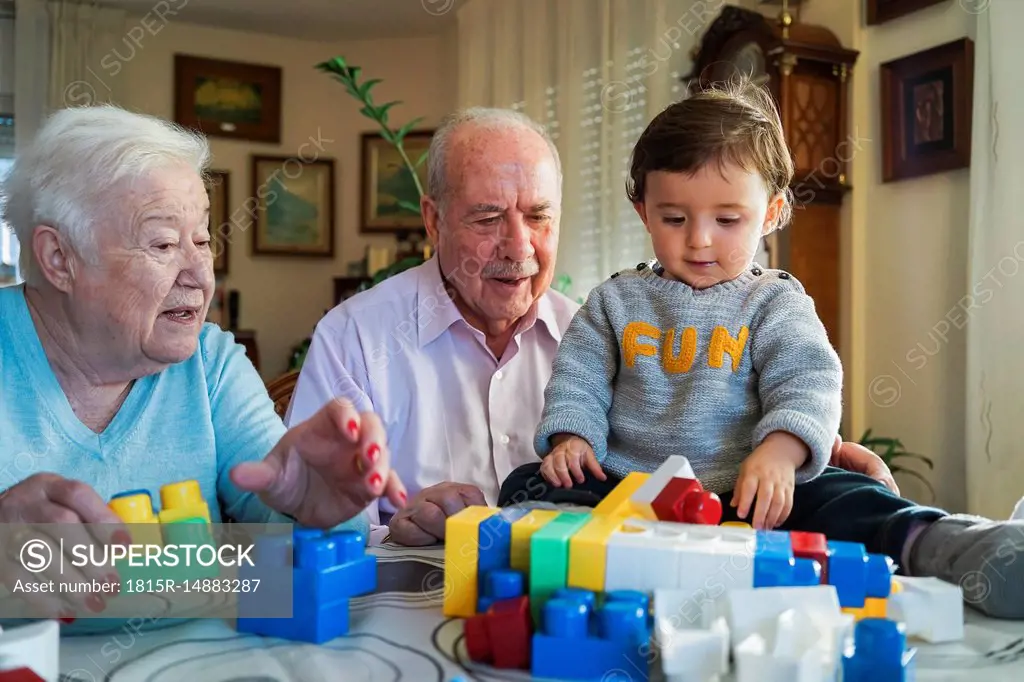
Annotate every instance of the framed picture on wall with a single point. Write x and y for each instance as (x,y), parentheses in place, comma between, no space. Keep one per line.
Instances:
(295,206)
(881,11)
(390,201)
(217,182)
(228,99)
(926,111)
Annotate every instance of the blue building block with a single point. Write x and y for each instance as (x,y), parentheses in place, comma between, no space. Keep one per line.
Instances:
(879,653)
(327,570)
(880,570)
(848,572)
(494,541)
(581,642)
(774,562)
(499,585)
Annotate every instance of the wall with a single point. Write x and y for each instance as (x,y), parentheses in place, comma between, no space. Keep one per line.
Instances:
(282,298)
(905,264)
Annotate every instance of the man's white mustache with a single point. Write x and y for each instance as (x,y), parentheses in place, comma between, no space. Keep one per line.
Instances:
(511,270)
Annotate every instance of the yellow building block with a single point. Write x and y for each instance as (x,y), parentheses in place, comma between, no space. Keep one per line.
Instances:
(736,524)
(137,513)
(182,500)
(588,551)
(857,613)
(875,607)
(895,587)
(522,530)
(461,560)
(618,502)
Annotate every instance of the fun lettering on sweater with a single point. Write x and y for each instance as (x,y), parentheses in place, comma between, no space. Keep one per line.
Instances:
(651,367)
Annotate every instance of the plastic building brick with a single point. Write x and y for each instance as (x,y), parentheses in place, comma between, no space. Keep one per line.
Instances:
(580,642)
(495,541)
(619,501)
(183,500)
(773,558)
(811,546)
(501,636)
(880,570)
(675,466)
(328,570)
(498,585)
(549,558)
(135,508)
(879,653)
(461,552)
(931,609)
(30,652)
(848,572)
(588,553)
(668,504)
(522,531)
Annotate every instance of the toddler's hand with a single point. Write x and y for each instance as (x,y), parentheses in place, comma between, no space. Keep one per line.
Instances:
(769,474)
(570,454)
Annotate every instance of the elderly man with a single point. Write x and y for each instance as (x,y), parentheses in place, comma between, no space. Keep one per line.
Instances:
(109,378)
(454,354)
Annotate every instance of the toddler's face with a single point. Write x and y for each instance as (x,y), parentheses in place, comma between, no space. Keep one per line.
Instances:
(705,227)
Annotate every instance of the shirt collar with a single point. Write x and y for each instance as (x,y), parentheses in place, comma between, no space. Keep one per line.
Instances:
(436,311)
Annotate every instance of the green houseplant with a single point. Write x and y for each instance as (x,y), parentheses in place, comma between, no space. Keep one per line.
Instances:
(893,453)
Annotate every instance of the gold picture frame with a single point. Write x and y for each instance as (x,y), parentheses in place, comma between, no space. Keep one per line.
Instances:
(388,191)
(295,206)
(217,187)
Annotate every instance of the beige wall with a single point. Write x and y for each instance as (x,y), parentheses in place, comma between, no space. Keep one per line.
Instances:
(905,264)
(283,298)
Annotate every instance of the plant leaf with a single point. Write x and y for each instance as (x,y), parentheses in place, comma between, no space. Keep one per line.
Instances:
(386,133)
(364,89)
(914,455)
(368,112)
(423,157)
(409,206)
(382,110)
(404,130)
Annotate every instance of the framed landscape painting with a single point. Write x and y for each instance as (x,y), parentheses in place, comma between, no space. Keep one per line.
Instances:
(220,231)
(390,201)
(295,206)
(228,99)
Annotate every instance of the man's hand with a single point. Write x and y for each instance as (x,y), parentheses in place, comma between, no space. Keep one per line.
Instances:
(570,454)
(327,469)
(422,521)
(769,474)
(857,458)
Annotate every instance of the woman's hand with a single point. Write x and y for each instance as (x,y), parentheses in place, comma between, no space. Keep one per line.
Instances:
(567,461)
(857,458)
(327,469)
(35,515)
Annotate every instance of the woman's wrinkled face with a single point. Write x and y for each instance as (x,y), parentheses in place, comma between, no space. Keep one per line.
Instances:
(150,288)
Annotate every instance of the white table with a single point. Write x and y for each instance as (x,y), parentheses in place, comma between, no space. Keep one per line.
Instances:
(399,633)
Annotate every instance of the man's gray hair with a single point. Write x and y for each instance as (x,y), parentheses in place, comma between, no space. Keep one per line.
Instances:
(487,118)
(63,179)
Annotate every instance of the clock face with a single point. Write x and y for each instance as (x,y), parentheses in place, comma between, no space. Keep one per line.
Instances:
(748,61)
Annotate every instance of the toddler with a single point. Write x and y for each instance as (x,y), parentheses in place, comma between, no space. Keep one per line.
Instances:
(702,352)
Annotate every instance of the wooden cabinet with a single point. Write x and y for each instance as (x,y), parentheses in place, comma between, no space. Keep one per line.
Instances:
(807,70)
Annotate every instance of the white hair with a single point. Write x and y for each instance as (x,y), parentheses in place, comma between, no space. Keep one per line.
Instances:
(64,178)
(486,118)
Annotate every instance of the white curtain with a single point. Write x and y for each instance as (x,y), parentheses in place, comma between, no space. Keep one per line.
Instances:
(594,72)
(995,307)
(86,42)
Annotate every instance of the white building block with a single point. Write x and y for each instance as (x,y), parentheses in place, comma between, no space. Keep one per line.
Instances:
(675,466)
(35,646)
(693,655)
(930,608)
(792,652)
(756,611)
(648,555)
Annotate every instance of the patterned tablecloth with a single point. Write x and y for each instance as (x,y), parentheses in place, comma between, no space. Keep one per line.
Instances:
(399,633)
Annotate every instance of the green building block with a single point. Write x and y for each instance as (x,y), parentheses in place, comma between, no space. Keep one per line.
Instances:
(549,558)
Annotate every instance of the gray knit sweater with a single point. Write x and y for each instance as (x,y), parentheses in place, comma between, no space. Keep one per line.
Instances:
(650,367)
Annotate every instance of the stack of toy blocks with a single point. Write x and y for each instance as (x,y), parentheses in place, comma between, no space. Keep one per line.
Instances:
(328,569)
(184,519)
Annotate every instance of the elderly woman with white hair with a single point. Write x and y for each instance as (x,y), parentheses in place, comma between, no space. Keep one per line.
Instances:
(111,381)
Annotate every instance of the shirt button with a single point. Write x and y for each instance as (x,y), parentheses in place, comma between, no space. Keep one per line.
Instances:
(498,375)
(504,439)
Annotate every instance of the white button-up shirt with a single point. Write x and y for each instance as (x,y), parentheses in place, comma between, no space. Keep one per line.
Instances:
(452,411)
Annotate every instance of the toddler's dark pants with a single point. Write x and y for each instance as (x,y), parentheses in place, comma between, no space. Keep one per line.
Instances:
(840,504)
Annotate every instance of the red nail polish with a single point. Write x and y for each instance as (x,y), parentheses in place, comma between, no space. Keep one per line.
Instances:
(373,453)
(374,480)
(121,538)
(401,496)
(353,428)
(66,617)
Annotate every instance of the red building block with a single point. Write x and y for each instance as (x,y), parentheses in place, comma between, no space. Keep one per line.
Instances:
(19,675)
(811,546)
(502,636)
(684,500)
